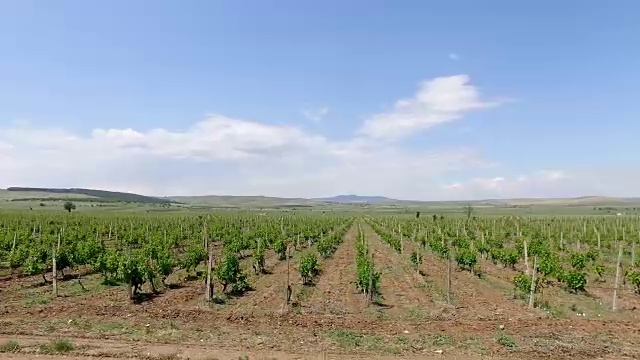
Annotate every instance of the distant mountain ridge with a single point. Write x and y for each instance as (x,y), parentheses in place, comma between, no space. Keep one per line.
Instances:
(97,195)
(231,201)
(357,199)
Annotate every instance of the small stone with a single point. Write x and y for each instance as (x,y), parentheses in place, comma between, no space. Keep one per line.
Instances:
(438,352)
(406,331)
(501,327)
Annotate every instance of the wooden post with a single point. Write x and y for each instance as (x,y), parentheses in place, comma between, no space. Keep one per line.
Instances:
(561,240)
(13,247)
(598,236)
(129,285)
(288,288)
(208,295)
(401,240)
(617,283)
(370,287)
(633,253)
(526,257)
(449,263)
(55,270)
(204,237)
(533,282)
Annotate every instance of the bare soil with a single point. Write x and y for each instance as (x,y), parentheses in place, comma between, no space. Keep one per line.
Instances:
(330,319)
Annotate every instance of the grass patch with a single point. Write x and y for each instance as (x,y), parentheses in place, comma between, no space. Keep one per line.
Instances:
(441,340)
(417,314)
(506,341)
(37,300)
(60,346)
(553,311)
(10,347)
(350,340)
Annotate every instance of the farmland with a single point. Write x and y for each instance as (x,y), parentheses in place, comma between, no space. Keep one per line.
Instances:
(275,284)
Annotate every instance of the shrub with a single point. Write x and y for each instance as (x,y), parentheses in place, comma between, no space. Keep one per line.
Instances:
(308,268)
(416,258)
(466,259)
(280,247)
(575,281)
(229,272)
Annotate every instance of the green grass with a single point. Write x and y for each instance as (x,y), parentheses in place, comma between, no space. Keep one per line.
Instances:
(10,347)
(442,340)
(37,299)
(506,341)
(60,346)
(350,340)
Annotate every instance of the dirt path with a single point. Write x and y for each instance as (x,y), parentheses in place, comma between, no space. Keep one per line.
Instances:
(335,293)
(91,349)
(402,288)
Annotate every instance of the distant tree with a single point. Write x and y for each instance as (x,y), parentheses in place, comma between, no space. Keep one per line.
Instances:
(69,206)
(417,214)
(435,217)
(468,210)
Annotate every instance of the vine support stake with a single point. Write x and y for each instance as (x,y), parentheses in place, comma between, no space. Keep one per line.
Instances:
(449,275)
(209,289)
(55,270)
(617,284)
(526,257)
(532,291)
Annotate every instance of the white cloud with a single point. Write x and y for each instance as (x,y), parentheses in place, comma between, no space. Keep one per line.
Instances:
(454,56)
(548,183)
(221,155)
(315,115)
(437,101)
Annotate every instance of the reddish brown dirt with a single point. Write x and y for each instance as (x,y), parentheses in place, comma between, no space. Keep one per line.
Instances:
(335,292)
(331,318)
(399,284)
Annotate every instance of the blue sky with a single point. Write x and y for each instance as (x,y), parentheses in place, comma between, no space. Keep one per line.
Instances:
(411,99)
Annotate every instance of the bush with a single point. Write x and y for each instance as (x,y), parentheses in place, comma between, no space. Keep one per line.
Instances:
(308,268)
(634,279)
(229,273)
(280,247)
(575,281)
(522,284)
(466,259)
(416,258)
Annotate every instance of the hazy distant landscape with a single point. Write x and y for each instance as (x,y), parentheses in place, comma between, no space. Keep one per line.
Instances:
(50,198)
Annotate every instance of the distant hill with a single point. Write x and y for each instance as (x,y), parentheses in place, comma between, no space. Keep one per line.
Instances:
(227,201)
(340,201)
(26,193)
(356,199)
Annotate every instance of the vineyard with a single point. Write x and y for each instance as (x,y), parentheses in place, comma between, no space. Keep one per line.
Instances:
(319,283)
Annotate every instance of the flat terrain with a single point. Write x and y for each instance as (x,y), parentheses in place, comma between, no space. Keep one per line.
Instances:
(412,320)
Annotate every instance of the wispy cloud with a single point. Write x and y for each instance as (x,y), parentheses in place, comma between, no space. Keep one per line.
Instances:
(437,101)
(454,56)
(315,115)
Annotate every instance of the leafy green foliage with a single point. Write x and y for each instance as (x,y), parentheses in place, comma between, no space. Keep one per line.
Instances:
(228,272)
(194,256)
(416,258)
(575,281)
(308,268)
(466,259)
(280,247)
(368,279)
(634,278)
